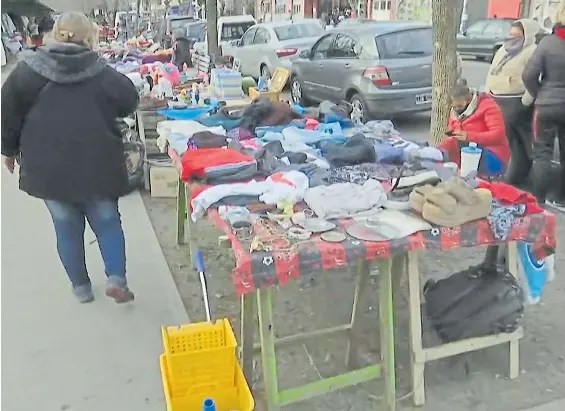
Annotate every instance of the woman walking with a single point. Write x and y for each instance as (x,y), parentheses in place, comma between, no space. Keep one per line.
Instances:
(504,83)
(59,109)
(544,78)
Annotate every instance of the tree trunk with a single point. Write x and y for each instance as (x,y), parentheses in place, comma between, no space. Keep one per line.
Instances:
(212,28)
(138,19)
(560,14)
(445,15)
(524,8)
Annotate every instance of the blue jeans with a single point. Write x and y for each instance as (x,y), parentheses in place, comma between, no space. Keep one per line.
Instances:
(103,217)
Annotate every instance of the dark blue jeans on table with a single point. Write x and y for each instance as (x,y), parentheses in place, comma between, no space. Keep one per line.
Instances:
(103,217)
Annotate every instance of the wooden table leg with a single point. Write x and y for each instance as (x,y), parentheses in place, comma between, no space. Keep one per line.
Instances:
(267,340)
(189,224)
(351,358)
(416,355)
(513,268)
(181,212)
(388,268)
(247,334)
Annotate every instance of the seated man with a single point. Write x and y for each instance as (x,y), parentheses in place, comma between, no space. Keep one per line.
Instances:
(475,117)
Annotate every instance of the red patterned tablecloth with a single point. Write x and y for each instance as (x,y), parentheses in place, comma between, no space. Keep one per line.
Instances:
(264,269)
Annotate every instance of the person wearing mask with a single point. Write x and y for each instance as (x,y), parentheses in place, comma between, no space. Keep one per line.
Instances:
(59,111)
(476,118)
(544,78)
(504,83)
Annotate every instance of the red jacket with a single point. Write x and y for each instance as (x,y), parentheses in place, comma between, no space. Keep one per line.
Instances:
(484,127)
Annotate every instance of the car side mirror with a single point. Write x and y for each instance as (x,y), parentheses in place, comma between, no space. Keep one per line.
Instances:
(305,54)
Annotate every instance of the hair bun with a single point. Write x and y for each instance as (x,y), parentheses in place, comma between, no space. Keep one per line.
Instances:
(461,82)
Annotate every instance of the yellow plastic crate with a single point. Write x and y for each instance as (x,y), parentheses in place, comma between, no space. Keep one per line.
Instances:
(233,397)
(200,356)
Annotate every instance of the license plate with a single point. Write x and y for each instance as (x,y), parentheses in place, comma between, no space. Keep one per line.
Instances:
(423,98)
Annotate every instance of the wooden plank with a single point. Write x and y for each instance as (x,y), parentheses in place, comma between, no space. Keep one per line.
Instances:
(388,268)
(351,355)
(468,345)
(417,363)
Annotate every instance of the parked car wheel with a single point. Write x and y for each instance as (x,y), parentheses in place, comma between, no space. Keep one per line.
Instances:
(297,92)
(359,107)
(265,73)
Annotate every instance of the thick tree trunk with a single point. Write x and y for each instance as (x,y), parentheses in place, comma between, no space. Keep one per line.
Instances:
(212,28)
(445,15)
(560,14)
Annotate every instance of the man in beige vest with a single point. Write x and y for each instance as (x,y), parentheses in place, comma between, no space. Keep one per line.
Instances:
(504,83)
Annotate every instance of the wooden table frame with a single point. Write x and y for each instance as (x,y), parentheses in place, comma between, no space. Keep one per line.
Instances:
(259,305)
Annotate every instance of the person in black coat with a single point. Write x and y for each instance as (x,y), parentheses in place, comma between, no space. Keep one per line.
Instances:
(59,111)
(544,78)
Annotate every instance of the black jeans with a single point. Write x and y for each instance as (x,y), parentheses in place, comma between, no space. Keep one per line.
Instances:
(550,124)
(518,121)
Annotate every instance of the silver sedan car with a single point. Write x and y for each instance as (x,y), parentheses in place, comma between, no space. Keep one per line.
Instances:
(266,46)
(382,68)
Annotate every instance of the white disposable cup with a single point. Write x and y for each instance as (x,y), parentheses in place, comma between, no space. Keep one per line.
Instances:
(470,159)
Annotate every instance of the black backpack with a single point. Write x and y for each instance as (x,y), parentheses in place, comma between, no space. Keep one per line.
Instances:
(475,302)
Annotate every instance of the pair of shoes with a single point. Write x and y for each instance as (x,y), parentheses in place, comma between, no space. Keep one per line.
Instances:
(116,288)
(451,203)
(83,293)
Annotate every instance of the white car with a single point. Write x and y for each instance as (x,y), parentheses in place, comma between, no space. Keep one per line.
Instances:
(266,46)
(229,28)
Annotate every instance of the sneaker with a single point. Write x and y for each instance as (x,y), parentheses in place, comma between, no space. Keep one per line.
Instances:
(117,289)
(83,293)
(556,204)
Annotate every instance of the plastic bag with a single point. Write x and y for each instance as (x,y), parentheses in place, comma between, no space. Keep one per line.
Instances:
(534,274)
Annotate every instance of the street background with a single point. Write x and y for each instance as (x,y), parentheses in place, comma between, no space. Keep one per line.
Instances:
(58,355)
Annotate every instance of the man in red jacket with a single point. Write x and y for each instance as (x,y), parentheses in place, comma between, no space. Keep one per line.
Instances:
(475,117)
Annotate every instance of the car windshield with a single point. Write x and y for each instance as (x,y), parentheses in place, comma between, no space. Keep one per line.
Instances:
(181,23)
(195,30)
(234,31)
(406,44)
(296,31)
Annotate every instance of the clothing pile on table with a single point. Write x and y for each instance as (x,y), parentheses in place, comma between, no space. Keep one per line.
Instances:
(324,178)
(350,168)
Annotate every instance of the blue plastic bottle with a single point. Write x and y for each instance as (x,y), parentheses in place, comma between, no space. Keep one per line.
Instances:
(209,405)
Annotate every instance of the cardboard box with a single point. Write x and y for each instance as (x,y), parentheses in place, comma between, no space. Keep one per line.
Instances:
(278,81)
(164,181)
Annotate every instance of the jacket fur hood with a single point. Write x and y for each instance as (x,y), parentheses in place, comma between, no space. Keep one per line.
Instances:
(64,62)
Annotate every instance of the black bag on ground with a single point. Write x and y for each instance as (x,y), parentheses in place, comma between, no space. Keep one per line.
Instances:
(475,302)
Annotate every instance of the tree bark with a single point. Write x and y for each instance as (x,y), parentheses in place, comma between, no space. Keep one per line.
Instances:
(445,15)
(560,14)
(212,28)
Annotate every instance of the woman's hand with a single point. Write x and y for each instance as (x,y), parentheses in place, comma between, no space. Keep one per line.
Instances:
(460,135)
(9,163)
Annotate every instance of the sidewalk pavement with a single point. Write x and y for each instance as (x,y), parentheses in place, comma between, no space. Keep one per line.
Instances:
(60,355)
(558,405)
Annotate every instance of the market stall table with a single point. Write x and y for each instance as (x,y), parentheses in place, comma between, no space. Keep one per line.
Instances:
(256,275)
